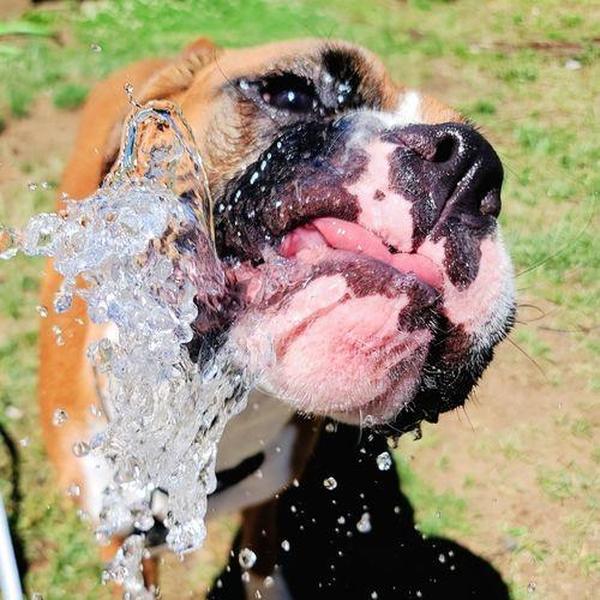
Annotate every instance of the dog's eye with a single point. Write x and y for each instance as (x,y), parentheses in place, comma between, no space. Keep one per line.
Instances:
(289,92)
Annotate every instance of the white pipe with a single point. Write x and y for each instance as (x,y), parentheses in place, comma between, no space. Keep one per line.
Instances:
(10,582)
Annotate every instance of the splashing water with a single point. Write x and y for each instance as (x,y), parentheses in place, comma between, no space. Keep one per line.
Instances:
(141,255)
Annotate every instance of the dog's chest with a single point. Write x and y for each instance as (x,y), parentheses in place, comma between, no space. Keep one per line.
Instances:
(252,431)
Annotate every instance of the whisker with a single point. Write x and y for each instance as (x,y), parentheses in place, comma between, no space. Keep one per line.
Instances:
(530,358)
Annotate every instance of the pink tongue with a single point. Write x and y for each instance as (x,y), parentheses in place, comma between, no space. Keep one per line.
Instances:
(344,235)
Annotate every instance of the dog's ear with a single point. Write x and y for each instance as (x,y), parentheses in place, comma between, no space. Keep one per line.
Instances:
(173,78)
(179,74)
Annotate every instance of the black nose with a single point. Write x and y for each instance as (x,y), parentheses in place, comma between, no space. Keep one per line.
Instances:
(451,166)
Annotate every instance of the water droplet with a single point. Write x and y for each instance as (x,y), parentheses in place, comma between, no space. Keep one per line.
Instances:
(330,483)
(59,417)
(374,595)
(364,525)
(73,490)
(246,577)
(8,243)
(442,558)
(81,449)
(32,186)
(419,594)
(268,582)
(246,558)
(63,300)
(531,587)
(341,520)
(330,427)
(37,596)
(42,311)
(24,442)
(95,411)
(46,185)
(384,461)
(83,515)
(285,545)
(95,47)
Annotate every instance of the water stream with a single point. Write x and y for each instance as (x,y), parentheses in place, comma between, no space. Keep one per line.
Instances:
(141,254)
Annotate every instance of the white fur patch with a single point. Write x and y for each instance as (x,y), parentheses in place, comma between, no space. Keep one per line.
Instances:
(274,474)
(409,108)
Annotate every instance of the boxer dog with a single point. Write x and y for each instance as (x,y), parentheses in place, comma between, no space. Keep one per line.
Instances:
(389,200)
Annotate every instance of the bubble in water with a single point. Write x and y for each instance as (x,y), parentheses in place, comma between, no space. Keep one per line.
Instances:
(384,461)
(364,524)
(285,545)
(59,417)
(374,595)
(330,483)
(81,449)
(247,558)
(442,558)
(63,300)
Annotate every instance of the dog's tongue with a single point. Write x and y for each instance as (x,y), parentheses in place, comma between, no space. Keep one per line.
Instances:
(344,235)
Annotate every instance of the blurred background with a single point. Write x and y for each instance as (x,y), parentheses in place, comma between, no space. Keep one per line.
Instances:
(516,475)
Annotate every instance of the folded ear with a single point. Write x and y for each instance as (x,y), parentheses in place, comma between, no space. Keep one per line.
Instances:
(174,77)
(179,74)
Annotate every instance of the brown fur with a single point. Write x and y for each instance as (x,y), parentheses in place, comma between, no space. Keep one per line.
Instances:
(228,138)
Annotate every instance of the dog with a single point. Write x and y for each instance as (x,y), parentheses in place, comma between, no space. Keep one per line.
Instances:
(389,200)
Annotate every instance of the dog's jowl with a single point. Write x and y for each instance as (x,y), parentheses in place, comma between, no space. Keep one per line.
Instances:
(377,207)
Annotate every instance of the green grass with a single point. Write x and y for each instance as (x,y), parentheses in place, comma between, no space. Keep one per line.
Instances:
(70,95)
(481,58)
(437,513)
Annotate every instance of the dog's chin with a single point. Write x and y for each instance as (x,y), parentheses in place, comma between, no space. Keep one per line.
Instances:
(350,333)
(353,335)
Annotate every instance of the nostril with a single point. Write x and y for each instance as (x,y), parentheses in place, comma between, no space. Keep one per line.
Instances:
(445,149)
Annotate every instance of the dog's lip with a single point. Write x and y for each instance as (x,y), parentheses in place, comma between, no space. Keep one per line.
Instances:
(351,237)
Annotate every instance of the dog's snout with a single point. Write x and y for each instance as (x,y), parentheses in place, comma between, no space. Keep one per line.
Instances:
(455,163)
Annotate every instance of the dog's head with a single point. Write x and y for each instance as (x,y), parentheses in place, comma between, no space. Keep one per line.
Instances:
(377,203)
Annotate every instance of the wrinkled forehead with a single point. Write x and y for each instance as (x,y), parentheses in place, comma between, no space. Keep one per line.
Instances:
(321,62)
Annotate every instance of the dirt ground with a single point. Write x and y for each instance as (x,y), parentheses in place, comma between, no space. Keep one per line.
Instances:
(518,457)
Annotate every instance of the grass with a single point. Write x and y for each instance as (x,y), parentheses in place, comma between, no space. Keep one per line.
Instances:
(437,513)
(528,75)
